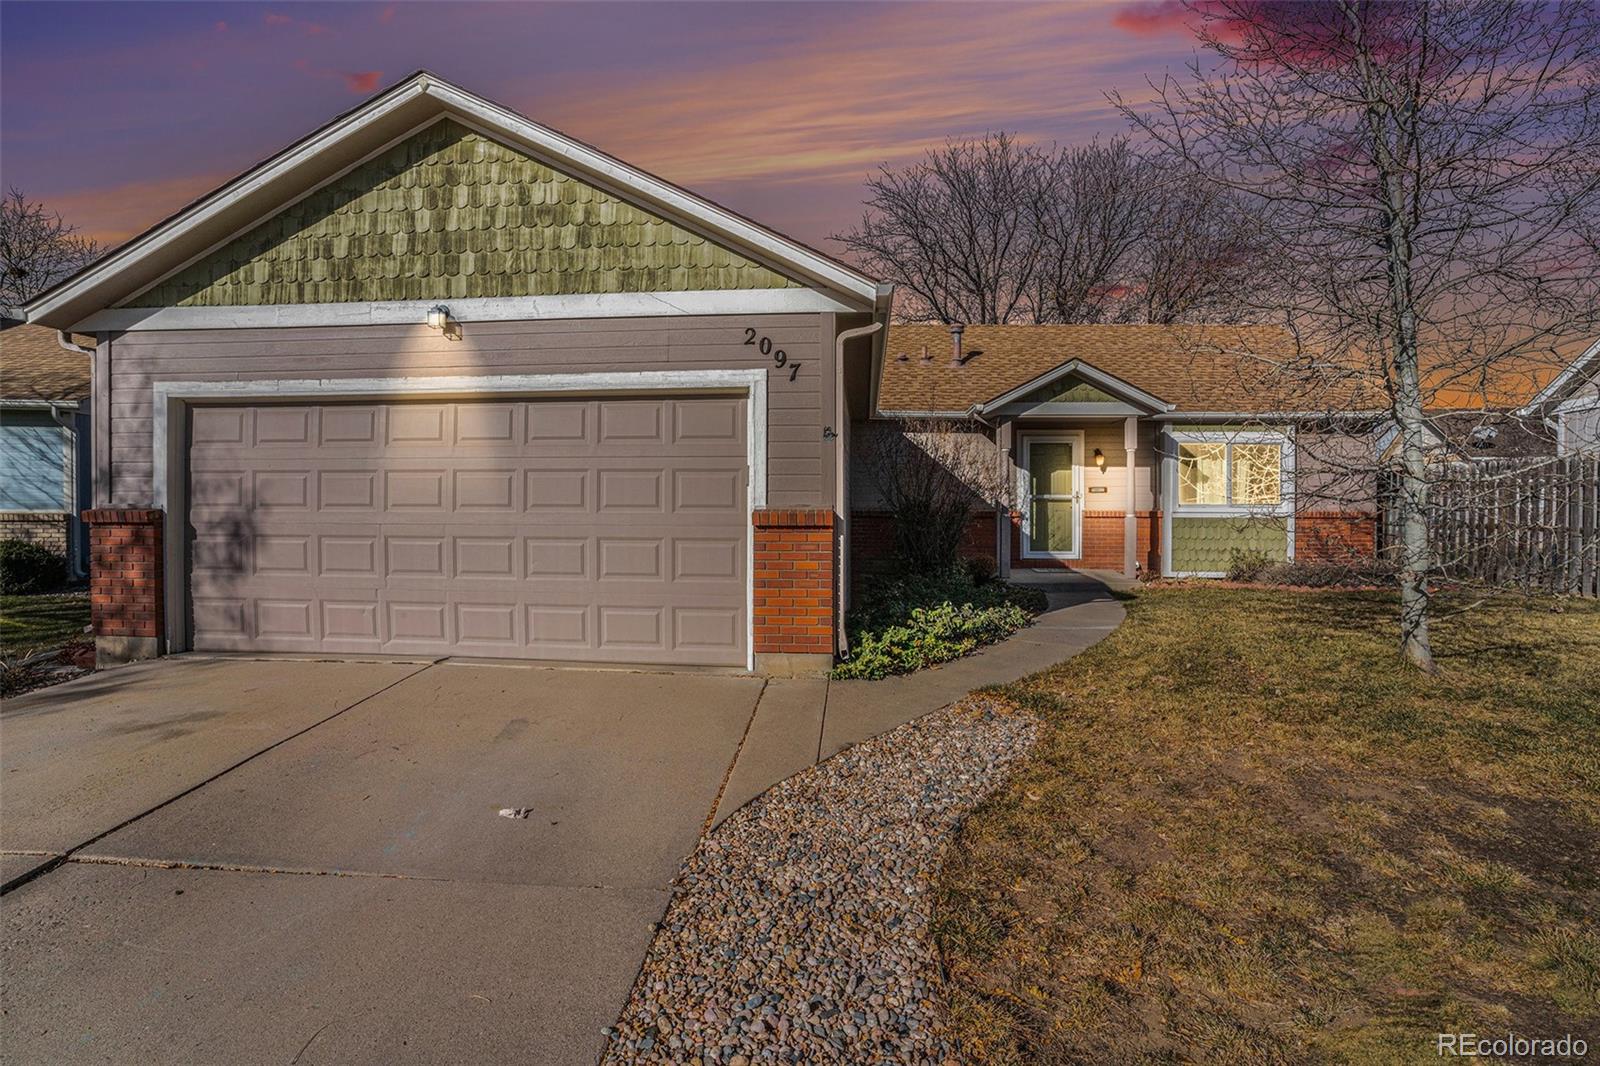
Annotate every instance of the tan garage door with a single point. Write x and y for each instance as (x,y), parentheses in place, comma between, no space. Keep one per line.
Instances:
(598,529)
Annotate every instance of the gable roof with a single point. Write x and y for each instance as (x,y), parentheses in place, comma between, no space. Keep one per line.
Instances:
(33,367)
(1564,384)
(1190,368)
(391,115)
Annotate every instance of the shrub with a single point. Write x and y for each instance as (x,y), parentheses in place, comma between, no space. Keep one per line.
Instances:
(26,568)
(915,621)
(1351,573)
(1245,564)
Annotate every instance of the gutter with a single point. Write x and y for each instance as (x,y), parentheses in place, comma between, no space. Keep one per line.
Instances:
(841,473)
(64,338)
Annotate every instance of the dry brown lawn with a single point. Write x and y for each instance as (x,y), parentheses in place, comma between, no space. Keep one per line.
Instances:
(1249,834)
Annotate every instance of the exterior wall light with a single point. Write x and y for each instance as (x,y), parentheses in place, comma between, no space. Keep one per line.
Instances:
(439,318)
(1099,459)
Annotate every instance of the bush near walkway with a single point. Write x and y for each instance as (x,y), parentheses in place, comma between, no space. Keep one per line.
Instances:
(906,623)
(1250,834)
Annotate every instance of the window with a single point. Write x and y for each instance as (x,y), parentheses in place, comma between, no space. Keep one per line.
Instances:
(1257,474)
(33,462)
(1202,474)
(1247,472)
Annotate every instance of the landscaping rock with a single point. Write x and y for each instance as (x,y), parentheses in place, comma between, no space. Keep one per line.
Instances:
(798,929)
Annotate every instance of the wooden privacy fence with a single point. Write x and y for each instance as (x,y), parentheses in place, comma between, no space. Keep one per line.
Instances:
(1529,523)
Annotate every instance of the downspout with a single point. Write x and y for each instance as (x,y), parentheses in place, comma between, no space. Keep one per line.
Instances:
(66,417)
(75,560)
(64,338)
(841,472)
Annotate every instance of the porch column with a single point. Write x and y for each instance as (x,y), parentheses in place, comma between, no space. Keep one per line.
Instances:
(1002,515)
(1130,520)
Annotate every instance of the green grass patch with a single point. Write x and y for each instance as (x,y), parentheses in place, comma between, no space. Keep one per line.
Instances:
(33,623)
(1250,834)
(904,624)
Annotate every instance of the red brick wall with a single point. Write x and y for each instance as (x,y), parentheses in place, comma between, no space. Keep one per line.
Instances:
(1102,543)
(872,541)
(794,581)
(1334,536)
(125,572)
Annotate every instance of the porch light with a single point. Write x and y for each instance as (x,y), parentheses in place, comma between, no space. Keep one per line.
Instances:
(1099,459)
(439,318)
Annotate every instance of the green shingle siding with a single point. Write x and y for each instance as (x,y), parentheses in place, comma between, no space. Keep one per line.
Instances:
(1068,390)
(451,214)
(1206,545)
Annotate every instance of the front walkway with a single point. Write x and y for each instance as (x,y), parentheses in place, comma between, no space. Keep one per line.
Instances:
(800,722)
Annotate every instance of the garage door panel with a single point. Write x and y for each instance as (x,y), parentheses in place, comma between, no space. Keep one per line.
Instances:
(602,529)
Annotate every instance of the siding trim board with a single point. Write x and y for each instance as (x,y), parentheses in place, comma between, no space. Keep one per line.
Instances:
(487,309)
(168,449)
(263,191)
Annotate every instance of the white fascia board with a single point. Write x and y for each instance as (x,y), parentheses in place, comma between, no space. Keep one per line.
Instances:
(1559,384)
(1108,382)
(653,190)
(467,311)
(1580,402)
(206,210)
(507,124)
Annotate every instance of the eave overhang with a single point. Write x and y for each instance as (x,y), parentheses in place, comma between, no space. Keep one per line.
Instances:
(395,113)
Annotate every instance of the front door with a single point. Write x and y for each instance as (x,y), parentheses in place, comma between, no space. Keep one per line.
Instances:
(1052,526)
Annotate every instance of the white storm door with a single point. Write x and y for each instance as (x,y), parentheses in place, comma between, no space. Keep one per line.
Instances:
(1053,486)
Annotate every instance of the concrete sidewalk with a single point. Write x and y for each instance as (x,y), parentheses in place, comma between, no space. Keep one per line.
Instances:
(799,723)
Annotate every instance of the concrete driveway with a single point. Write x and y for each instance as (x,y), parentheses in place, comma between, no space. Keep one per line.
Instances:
(283,861)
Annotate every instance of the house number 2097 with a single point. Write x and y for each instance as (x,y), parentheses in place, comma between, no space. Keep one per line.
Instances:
(779,356)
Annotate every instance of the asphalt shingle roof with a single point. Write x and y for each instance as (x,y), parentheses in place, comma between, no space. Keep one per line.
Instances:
(34,367)
(1196,368)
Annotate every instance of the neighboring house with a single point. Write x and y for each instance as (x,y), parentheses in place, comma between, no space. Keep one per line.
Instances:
(44,442)
(1478,434)
(438,380)
(1570,404)
(1154,449)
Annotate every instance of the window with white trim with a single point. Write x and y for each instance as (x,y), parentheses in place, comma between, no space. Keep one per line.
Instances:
(1242,471)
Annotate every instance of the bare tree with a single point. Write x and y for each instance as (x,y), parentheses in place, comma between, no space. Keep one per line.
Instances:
(1430,170)
(1094,221)
(932,475)
(959,229)
(996,231)
(1199,258)
(37,249)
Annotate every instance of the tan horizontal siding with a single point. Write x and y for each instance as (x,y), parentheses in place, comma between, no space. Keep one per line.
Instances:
(799,461)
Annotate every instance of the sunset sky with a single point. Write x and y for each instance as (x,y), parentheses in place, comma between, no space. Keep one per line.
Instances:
(116,114)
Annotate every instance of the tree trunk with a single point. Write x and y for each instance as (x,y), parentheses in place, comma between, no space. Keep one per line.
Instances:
(1385,121)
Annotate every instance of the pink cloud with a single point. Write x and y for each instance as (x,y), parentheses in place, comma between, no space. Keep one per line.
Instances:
(362,82)
(272,18)
(1155,16)
(220,26)
(386,16)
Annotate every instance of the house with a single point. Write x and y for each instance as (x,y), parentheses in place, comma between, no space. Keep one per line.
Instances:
(1570,404)
(1483,433)
(44,442)
(1135,448)
(439,380)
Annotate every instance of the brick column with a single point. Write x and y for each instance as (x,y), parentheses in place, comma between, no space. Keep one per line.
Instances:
(794,591)
(125,583)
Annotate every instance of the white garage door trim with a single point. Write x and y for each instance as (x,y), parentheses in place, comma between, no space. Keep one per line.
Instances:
(167,445)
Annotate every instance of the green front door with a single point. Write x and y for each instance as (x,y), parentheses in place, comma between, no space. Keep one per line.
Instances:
(1053,497)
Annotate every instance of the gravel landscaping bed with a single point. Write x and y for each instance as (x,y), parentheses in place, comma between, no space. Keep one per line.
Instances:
(798,930)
